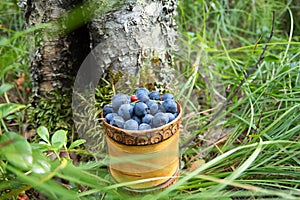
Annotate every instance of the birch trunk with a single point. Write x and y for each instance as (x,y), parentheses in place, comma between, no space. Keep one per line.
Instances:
(134,38)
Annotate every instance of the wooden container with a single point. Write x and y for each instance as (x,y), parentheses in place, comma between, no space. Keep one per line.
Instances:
(138,155)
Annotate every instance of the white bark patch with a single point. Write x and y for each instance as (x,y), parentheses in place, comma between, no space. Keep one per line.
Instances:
(151,39)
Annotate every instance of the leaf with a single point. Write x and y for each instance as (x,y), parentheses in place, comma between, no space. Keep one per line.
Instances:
(76,143)
(3,41)
(5,70)
(59,139)
(10,117)
(272,58)
(18,152)
(196,164)
(5,87)
(40,165)
(42,131)
(9,108)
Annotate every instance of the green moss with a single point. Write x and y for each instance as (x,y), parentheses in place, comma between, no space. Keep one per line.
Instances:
(53,112)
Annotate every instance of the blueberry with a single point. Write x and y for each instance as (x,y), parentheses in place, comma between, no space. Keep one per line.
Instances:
(137,119)
(167,96)
(170,106)
(153,107)
(161,108)
(141,91)
(107,109)
(117,121)
(143,97)
(160,119)
(175,115)
(140,109)
(147,119)
(125,111)
(144,126)
(171,117)
(154,95)
(118,100)
(109,117)
(131,125)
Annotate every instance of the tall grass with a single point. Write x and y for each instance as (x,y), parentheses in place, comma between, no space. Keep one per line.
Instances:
(252,151)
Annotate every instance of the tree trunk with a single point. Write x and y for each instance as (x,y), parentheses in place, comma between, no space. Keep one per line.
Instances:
(56,57)
(133,39)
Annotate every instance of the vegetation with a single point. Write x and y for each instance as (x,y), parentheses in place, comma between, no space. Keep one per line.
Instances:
(250,151)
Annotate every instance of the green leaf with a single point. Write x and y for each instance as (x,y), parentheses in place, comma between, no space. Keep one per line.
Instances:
(76,143)
(5,87)
(10,117)
(9,108)
(59,139)
(3,41)
(41,164)
(18,152)
(42,131)
(5,70)
(272,58)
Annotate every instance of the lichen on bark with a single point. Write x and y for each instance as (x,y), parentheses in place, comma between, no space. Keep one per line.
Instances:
(136,37)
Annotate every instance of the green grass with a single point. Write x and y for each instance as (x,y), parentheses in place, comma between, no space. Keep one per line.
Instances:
(258,157)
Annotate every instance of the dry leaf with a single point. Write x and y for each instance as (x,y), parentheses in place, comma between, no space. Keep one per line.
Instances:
(23,197)
(195,165)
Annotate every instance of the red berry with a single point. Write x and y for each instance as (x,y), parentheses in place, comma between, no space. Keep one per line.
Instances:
(134,98)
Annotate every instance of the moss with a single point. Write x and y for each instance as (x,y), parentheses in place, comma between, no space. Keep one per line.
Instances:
(52,111)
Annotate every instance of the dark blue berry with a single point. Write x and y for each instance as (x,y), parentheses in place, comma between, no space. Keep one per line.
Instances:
(161,108)
(160,119)
(144,126)
(170,106)
(125,111)
(153,107)
(171,117)
(137,119)
(117,121)
(143,97)
(131,125)
(140,109)
(109,117)
(154,95)
(167,96)
(175,115)
(147,119)
(107,109)
(140,91)
(118,100)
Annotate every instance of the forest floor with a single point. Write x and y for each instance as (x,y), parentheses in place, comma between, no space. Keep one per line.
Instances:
(250,150)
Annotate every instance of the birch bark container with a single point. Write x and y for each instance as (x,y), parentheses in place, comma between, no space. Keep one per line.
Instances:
(140,155)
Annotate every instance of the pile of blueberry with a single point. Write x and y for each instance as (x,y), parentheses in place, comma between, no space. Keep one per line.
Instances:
(142,111)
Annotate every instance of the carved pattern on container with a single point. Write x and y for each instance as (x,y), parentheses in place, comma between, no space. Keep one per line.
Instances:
(141,138)
(145,137)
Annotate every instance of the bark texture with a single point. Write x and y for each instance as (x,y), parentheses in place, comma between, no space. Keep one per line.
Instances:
(56,57)
(136,38)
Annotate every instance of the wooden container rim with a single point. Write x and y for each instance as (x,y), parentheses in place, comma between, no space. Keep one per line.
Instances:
(144,133)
